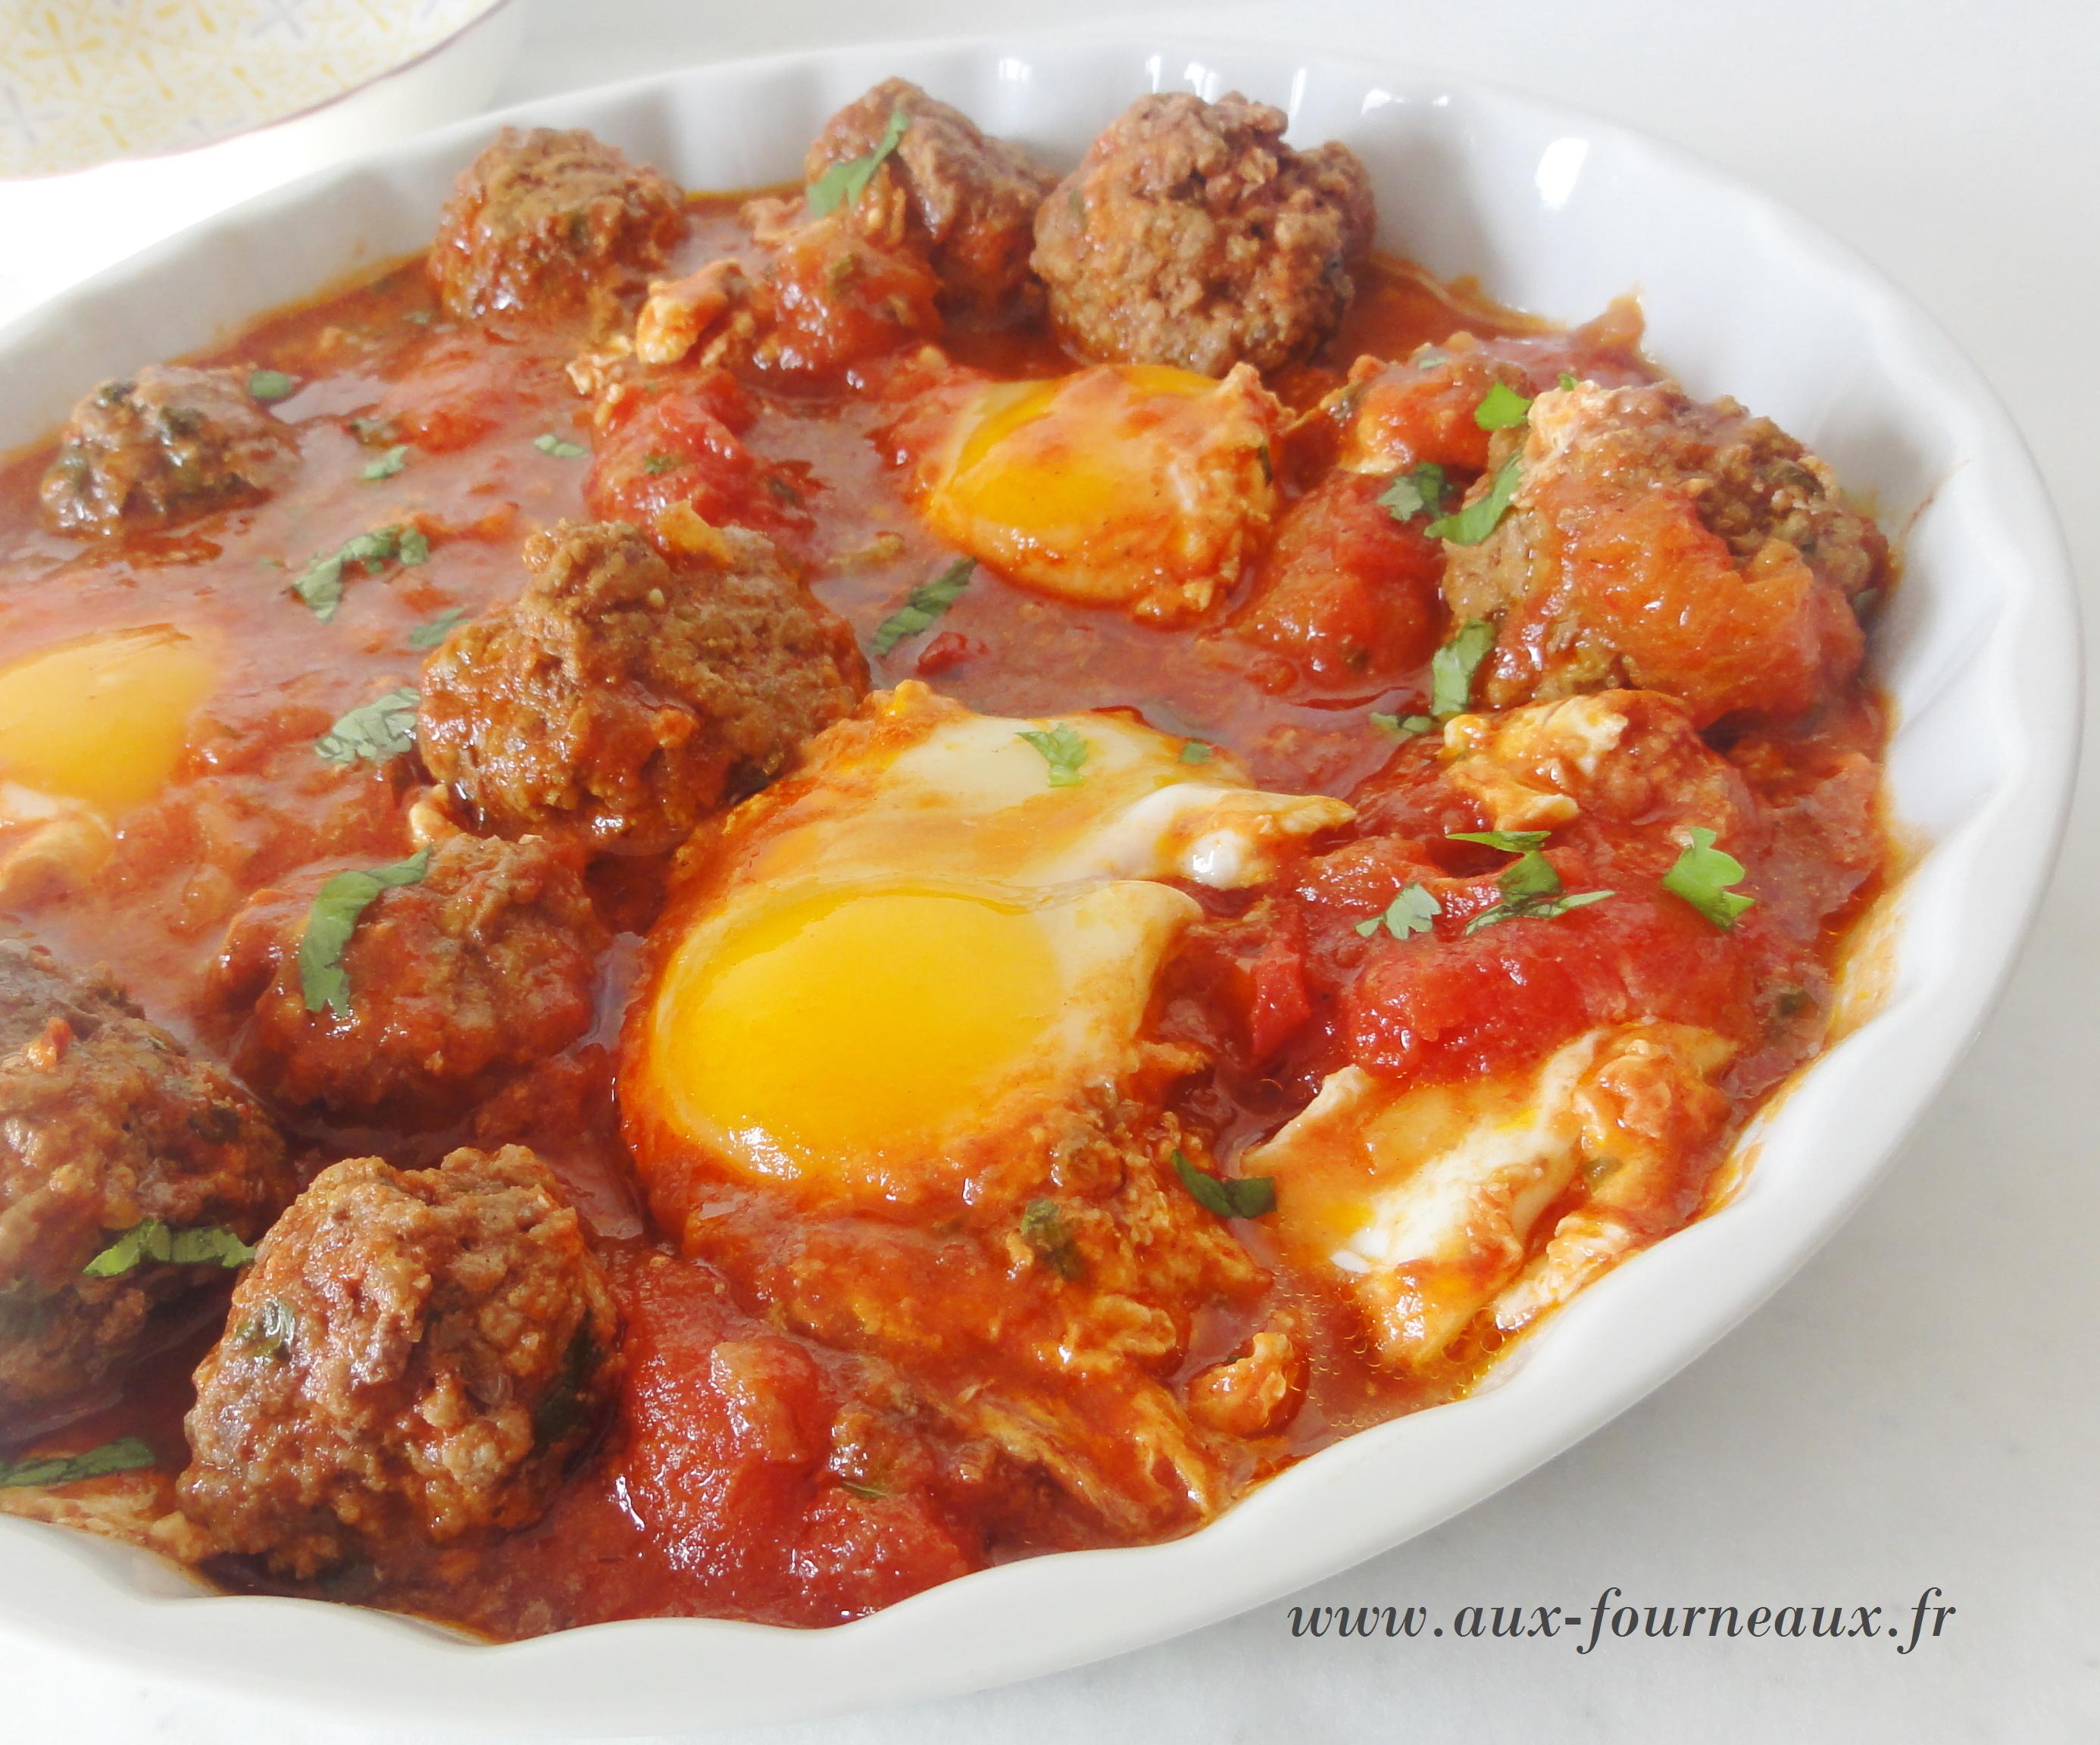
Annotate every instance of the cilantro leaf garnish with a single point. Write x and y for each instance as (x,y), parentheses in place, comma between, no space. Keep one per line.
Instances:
(432,632)
(1510,841)
(1413,910)
(560,447)
(1501,407)
(266,385)
(179,1245)
(1472,523)
(344,899)
(373,431)
(1421,491)
(1198,751)
(1568,381)
(386,465)
(1227,1196)
(46,1472)
(1452,668)
(844,184)
(320,584)
(1530,886)
(927,602)
(1045,1228)
(1401,726)
(373,731)
(1701,876)
(656,465)
(1063,749)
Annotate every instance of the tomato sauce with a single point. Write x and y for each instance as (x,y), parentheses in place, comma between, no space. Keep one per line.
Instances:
(715,1491)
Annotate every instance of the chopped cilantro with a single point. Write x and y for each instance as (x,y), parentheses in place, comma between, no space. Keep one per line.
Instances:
(1045,1228)
(1228,1196)
(844,184)
(1419,492)
(429,634)
(1413,910)
(46,1472)
(320,584)
(655,464)
(373,431)
(1402,727)
(342,901)
(373,732)
(1472,523)
(1063,749)
(266,385)
(1510,841)
(1501,407)
(192,1245)
(1701,876)
(386,465)
(1198,751)
(924,604)
(1568,381)
(1452,668)
(1531,886)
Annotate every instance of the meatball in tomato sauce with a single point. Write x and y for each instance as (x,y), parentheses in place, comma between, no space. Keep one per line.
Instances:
(623,697)
(1658,541)
(161,446)
(546,223)
(414,1359)
(1192,235)
(944,189)
(106,1121)
(483,965)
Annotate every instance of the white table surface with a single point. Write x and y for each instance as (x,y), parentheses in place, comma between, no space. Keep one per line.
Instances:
(1918,1408)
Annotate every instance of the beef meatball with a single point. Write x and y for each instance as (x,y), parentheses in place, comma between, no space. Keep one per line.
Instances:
(966,201)
(547,224)
(106,1121)
(160,447)
(414,1358)
(1659,542)
(484,966)
(624,697)
(1192,235)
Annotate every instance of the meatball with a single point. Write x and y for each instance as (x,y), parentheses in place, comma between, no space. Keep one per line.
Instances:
(1661,543)
(547,224)
(484,966)
(965,201)
(416,1357)
(106,1122)
(1191,235)
(623,697)
(169,444)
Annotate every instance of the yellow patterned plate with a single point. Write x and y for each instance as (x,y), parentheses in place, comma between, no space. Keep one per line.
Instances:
(82,81)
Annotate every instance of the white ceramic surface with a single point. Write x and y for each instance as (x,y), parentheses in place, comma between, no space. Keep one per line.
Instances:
(1555,212)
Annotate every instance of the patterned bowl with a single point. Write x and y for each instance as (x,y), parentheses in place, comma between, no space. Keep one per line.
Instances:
(124,120)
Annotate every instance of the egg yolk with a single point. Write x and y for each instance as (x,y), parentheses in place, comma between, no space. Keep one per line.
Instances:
(1052,478)
(848,1025)
(102,721)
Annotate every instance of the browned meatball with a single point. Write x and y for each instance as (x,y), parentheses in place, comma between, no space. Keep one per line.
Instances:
(622,698)
(547,224)
(1663,543)
(484,966)
(157,448)
(1192,235)
(106,1122)
(414,1358)
(967,201)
